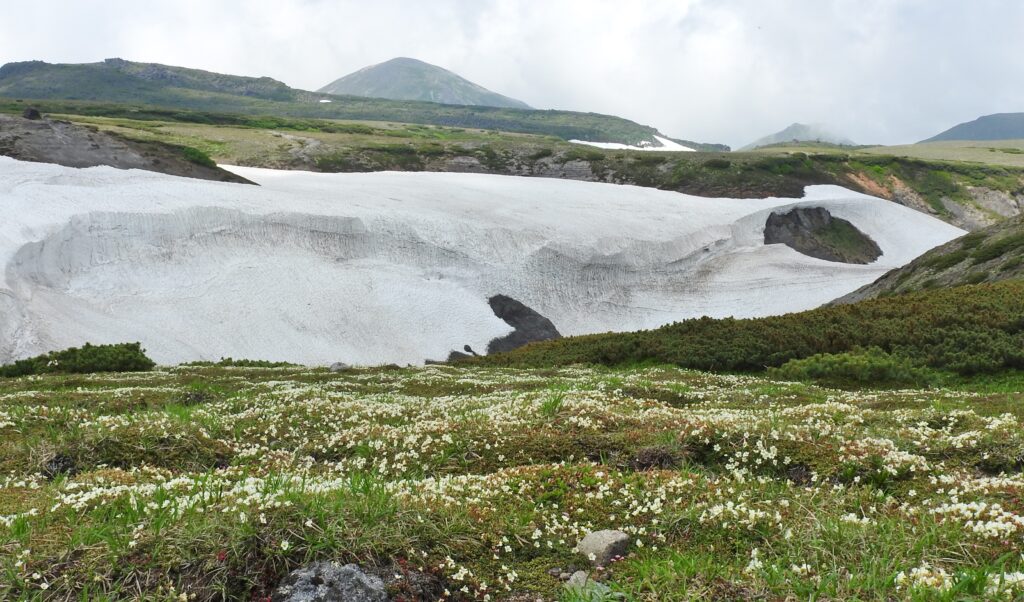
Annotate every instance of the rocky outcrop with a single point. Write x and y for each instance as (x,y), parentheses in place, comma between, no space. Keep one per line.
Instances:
(330,582)
(529,325)
(54,141)
(814,232)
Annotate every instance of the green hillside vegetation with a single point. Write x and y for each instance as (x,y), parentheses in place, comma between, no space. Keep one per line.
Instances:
(147,89)
(993,254)
(411,79)
(964,330)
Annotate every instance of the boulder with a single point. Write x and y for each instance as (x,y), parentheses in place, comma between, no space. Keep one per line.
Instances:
(339,367)
(330,582)
(600,547)
(31,113)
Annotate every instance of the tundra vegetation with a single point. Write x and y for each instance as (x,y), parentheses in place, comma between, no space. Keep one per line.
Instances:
(214,480)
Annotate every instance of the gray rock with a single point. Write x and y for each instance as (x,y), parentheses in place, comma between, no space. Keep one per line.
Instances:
(588,590)
(339,367)
(330,582)
(31,113)
(813,232)
(601,546)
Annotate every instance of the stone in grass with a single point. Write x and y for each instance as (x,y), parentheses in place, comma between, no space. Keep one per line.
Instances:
(339,367)
(600,547)
(330,582)
(585,589)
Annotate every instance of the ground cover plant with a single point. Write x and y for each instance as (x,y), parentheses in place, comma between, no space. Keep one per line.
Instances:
(212,482)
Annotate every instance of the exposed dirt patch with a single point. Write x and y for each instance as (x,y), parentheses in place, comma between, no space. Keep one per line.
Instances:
(72,145)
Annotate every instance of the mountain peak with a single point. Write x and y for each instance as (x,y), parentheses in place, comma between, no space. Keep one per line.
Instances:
(405,78)
(801,132)
(999,126)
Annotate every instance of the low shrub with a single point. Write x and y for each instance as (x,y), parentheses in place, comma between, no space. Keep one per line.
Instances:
(122,357)
(241,363)
(718,164)
(871,367)
(198,157)
(968,329)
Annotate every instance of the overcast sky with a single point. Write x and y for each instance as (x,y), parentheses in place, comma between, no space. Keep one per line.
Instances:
(880,71)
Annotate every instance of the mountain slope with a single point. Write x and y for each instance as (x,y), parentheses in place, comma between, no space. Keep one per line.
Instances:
(410,79)
(118,80)
(145,86)
(1000,126)
(989,255)
(800,132)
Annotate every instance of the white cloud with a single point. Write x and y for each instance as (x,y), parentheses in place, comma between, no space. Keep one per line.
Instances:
(713,70)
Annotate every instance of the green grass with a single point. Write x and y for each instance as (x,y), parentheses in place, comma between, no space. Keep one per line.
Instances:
(215,481)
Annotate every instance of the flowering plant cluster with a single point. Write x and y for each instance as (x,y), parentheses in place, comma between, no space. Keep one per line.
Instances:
(207,481)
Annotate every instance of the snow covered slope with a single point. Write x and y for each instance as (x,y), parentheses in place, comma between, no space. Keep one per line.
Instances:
(392,267)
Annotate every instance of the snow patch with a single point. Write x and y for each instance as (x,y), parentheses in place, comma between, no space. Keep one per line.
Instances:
(393,267)
(666,145)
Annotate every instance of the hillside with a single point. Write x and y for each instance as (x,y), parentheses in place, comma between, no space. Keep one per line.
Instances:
(56,141)
(989,255)
(1000,126)
(410,79)
(800,132)
(968,329)
(143,87)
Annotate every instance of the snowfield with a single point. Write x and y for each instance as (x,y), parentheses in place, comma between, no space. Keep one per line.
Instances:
(392,267)
(666,146)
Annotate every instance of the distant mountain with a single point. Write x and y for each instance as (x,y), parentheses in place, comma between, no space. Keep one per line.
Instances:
(410,79)
(143,86)
(800,132)
(118,80)
(1001,126)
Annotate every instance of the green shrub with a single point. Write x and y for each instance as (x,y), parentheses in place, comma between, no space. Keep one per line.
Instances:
(998,248)
(123,357)
(858,368)
(718,164)
(197,156)
(967,329)
(976,277)
(946,260)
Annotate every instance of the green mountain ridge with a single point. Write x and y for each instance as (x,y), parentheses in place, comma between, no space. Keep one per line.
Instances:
(147,86)
(999,126)
(411,79)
